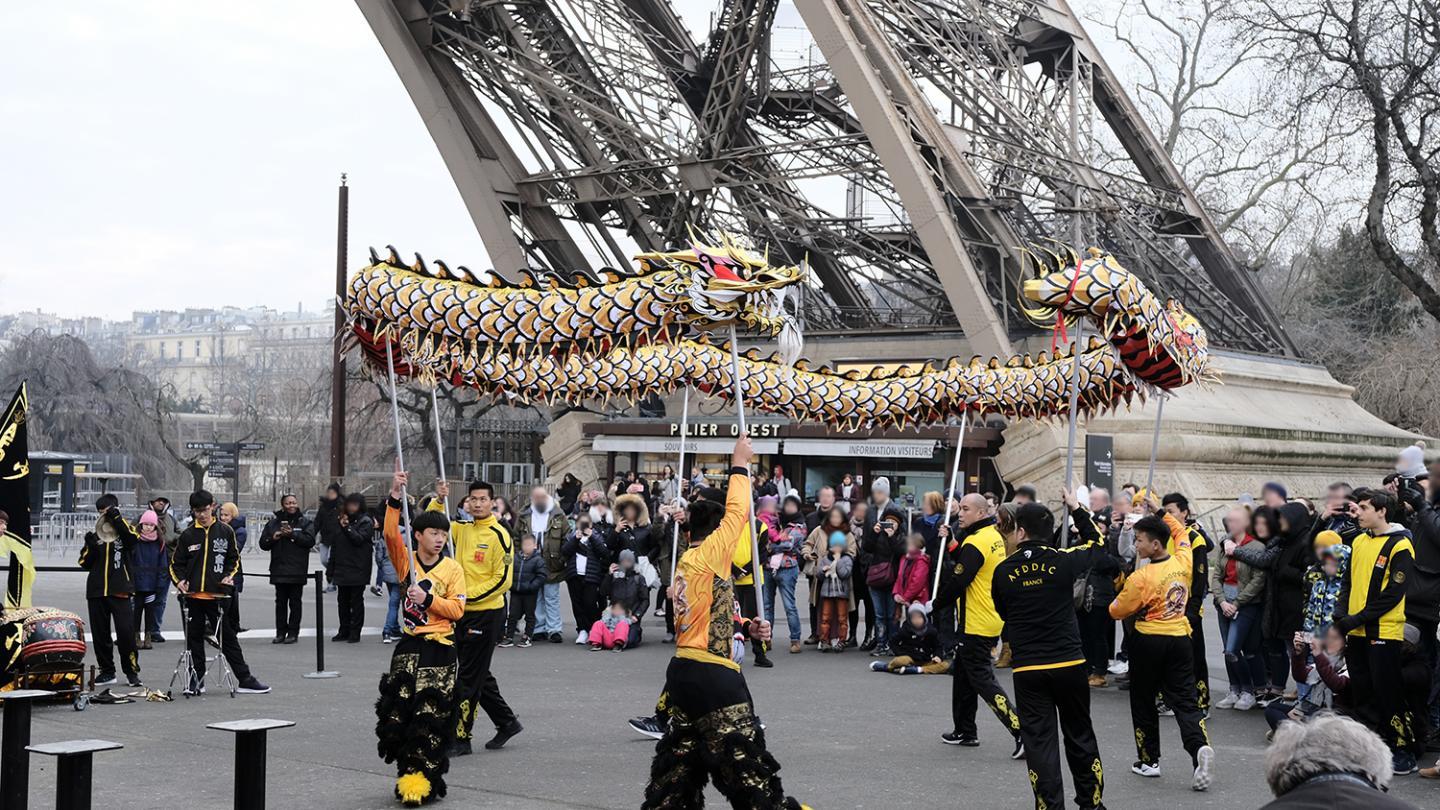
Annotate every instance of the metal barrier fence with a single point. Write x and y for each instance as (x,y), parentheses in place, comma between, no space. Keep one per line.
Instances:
(62,534)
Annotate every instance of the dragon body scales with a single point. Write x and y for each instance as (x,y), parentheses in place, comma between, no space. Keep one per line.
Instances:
(595,337)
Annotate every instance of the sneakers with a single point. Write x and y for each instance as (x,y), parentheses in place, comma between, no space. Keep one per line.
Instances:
(1019,752)
(1204,758)
(1402,761)
(555,638)
(375,589)
(595,646)
(877,666)
(955,738)
(648,726)
(1265,698)
(386,638)
(619,647)
(1098,682)
(252,686)
(1147,769)
(503,736)
(134,681)
(1119,667)
(794,647)
(524,642)
(822,646)
(909,670)
(812,640)
(583,637)
(156,638)
(106,679)
(508,641)
(1245,703)
(1229,701)
(195,687)
(1163,710)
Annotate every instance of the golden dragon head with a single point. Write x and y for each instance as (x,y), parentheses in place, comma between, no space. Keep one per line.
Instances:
(729,284)
(1161,343)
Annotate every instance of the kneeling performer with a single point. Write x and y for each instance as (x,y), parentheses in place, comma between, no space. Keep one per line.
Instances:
(417,696)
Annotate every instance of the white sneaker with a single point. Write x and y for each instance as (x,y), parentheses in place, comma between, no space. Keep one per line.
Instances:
(583,637)
(1227,702)
(1203,758)
(1145,769)
(1246,702)
(1118,667)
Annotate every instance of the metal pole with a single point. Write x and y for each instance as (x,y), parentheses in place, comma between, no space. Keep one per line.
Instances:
(679,471)
(73,775)
(1154,445)
(235,477)
(400,455)
(954,477)
(439,444)
(1074,406)
(750,508)
(337,360)
(320,670)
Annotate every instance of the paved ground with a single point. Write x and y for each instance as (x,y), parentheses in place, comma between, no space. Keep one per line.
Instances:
(845,736)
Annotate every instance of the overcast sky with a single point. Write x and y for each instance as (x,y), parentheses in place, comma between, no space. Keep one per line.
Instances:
(164,154)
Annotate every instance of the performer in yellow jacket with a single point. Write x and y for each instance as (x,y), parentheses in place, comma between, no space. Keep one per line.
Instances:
(711,730)
(487,555)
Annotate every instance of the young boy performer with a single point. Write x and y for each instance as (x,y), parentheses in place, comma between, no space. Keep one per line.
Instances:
(417,696)
(1160,654)
(712,729)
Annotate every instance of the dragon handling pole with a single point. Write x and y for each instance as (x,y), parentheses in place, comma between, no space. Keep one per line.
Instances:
(679,471)
(400,458)
(750,509)
(954,477)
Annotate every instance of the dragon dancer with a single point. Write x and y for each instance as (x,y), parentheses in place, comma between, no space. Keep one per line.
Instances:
(417,695)
(712,732)
(1160,655)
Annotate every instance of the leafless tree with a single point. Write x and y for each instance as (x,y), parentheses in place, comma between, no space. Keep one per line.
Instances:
(1379,60)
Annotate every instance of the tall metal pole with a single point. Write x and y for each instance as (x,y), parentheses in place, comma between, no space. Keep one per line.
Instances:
(1074,407)
(680,470)
(337,360)
(400,457)
(954,476)
(1154,446)
(750,508)
(439,444)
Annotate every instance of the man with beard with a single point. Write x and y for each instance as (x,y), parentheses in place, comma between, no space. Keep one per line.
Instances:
(546,522)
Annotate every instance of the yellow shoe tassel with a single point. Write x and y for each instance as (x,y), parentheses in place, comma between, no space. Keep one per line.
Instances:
(413,788)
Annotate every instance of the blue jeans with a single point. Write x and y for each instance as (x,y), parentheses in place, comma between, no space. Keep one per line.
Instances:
(547,610)
(785,580)
(883,603)
(392,613)
(1243,660)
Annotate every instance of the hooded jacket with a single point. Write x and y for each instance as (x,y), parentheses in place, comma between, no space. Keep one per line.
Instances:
(530,572)
(636,538)
(552,544)
(922,645)
(289,551)
(1249,580)
(1371,603)
(912,579)
(1285,558)
(1324,590)
(595,552)
(1422,601)
(352,546)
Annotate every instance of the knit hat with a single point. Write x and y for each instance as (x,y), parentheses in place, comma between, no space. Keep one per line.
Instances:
(765,500)
(627,555)
(1411,462)
(1277,488)
(1324,540)
(151,520)
(918,607)
(881,485)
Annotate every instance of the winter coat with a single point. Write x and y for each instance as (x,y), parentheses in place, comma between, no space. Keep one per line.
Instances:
(1324,591)
(597,556)
(1285,559)
(921,645)
(817,545)
(912,579)
(787,541)
(569,492)
(530,573)
(352,548)
(109,563)
(629,589)
(151,561)
(1328,678)
(168,530)
(929,528)
(1249,580)
(384,568)
(636,538)
(551,544)
(876,546)
(1422,598)
(836,578)
(289,553)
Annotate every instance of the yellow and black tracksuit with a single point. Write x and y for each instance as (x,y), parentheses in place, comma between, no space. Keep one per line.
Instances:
(1200,548)
(1033,592)
(108,587)
(1371,611)
(487,555)
(967,583)
(205,556)
(1157,594)
(743,568)
(711,733)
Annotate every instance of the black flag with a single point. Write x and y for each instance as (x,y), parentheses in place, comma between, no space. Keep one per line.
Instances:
(15,500)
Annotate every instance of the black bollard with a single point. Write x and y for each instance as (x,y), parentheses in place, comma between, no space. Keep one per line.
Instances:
(14,759)
(72,776)
(250,758)
(320,670)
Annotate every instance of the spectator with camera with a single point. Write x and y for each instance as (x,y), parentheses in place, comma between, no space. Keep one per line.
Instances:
(288,536)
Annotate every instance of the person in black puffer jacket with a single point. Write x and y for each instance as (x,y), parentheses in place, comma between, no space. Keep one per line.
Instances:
(1285,557)
(623,585)
(351,552)
(586,560)
(530,576)
(916,646)
(288,536)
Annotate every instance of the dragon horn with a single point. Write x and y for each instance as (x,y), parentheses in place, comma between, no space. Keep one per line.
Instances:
(394,257)
(374,257)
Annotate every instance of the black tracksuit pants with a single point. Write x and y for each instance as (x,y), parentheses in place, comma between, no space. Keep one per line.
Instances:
(1198,663)
(205,613)
(105,610)
(1097,636)
(1161,665)
(350,603)
(750,609)
(973,679)
(288,608)
(1041,695)
(476,635)
(1377,686)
